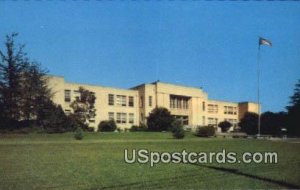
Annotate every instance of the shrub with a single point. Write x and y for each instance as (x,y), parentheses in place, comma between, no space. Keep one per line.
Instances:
(205,131)
(135,128)
(177,130)
(224,125)
(108,126)
(78,134)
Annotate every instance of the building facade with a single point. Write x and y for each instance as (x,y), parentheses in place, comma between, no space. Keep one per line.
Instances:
(132,106)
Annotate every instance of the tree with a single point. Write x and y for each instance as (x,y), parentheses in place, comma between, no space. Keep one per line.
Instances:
(12,65)
(225,126)
(294,112)
(271,123)
(83,106)
(53,119)
(249,123)
(160,119)
(108,126)
(23,85)
(36,93)
(177,130)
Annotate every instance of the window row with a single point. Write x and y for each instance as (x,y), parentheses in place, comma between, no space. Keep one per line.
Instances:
(230,110)
(121,117)
(121,100)
(232,121)
(179,102)
(212,121)
(76,94)
(212,108)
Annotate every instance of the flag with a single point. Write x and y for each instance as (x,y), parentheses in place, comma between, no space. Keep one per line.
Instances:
(263,41)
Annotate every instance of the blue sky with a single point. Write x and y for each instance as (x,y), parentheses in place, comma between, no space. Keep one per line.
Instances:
(202,44)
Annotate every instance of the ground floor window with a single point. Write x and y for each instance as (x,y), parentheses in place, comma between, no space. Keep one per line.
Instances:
(121,117)
(131,118)
(184,120)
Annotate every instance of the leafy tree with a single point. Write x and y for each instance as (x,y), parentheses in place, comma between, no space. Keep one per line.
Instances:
(225,126)
(83,106)
(177,130)
(53,119)
(160,119)
(108,126)
(249,123)
(294,112)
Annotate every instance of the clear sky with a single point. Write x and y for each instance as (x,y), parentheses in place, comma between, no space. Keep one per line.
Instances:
(202,44)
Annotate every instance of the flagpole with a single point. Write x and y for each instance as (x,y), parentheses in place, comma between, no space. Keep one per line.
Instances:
(258,87)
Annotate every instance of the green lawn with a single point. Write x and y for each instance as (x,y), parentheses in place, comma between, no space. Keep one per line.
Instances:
(57,161)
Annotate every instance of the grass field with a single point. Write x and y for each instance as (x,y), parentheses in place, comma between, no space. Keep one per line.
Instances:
(57,161)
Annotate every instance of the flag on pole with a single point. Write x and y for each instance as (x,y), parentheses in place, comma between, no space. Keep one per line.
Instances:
(263,41)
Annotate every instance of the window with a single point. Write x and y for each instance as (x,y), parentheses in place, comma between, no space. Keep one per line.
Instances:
(121,117)
(111,116)
(111,99)
(230,110)
(184,120)
(76,94)
(131,118)
(121,100)
(203,106)
(142,117)
(225,109)
(68,112)
(212,108)
(131,101)
(234,110)
(185,105)
(150,101)
(212,121)
(179,102)
(141,102)
(67,95)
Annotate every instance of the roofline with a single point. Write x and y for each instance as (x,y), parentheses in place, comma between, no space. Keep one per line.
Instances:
(86,84)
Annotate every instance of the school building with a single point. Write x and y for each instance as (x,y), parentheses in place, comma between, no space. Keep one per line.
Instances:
(132,106)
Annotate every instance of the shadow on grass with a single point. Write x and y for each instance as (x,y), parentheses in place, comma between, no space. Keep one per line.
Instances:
(155,183)
(141,184)
(265,179)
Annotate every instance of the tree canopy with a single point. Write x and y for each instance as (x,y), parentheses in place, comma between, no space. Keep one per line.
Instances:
(23,85)
(160,119)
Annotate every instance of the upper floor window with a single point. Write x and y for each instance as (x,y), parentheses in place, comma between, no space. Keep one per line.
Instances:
(141,101)
(212,108)
(121,100)
(203,106)
(179,102)
(67,95)
(150,101)
(130,101)
(230,110)
(111,99)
